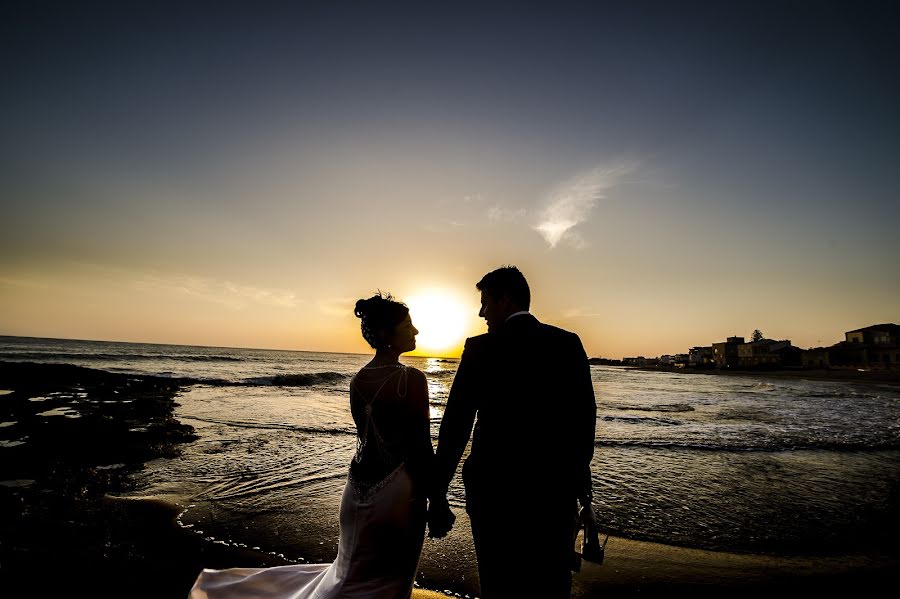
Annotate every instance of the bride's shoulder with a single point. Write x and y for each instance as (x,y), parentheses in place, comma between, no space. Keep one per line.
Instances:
(414,374)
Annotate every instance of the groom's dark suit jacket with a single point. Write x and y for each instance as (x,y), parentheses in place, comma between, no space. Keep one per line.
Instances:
(529,385)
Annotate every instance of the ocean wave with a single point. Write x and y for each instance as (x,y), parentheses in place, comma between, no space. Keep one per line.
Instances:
(319,430)
(837,394)
(116,357)
(748,413)
(672,407)
(642,420)
(440,374)
(758,388)
(204,358)
(297,380)
(69,373)
(279,380)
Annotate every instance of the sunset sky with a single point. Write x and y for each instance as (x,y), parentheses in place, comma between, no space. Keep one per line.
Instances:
(239,173)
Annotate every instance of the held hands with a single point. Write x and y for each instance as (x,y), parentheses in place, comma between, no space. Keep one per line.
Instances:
(440,518)
(587,516)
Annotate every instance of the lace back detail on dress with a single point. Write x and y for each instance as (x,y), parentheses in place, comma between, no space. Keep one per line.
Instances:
(364,489)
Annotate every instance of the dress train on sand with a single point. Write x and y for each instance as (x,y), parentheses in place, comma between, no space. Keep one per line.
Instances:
(382,532)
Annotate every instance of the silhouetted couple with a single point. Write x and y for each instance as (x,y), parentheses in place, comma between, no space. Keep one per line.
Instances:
(527,389)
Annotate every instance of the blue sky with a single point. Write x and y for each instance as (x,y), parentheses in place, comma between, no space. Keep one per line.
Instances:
(666,174)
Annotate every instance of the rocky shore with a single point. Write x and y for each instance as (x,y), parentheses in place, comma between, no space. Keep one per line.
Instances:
(69,437)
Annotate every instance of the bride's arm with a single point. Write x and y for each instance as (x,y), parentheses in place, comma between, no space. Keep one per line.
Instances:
(440,517)
(421,452)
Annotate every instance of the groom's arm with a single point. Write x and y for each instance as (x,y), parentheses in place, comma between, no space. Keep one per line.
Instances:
(456,424)
(586,421)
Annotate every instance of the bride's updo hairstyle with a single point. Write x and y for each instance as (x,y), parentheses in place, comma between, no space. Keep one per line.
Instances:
(380,315)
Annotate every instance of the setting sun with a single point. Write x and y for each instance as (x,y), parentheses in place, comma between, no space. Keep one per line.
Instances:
(442,320)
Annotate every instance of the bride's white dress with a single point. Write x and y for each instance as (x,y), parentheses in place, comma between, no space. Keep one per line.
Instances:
(382,531)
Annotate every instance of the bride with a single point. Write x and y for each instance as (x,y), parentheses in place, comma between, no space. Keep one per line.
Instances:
(383,507)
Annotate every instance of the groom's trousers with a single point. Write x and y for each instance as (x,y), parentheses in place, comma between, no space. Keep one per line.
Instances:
(537,542)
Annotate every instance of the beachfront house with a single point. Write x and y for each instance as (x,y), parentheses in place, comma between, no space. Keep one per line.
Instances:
(768,353)
(877,334)
(725,354)
(817,357)
(701,356)
(640,361)
(877,345)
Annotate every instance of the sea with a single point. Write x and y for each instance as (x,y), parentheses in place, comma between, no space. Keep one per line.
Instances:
(742,464)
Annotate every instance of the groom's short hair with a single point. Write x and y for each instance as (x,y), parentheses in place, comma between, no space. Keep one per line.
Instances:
(506,280)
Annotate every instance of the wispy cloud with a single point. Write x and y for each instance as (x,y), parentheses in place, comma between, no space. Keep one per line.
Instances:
(226,293)
(444,225)
(571,203)
(498,213)
(259,295)
(580,312)
(338,306)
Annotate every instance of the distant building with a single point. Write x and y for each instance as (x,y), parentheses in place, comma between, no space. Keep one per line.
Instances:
(876,346)
(817,357)
(676,360)
(725,354)
(768,353)
(604,362)
(877,334)
(700,356)
(640,361)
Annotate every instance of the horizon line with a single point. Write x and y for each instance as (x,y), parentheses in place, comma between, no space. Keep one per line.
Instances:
(307,351)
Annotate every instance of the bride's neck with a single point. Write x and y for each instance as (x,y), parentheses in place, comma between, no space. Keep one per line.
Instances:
(386,356)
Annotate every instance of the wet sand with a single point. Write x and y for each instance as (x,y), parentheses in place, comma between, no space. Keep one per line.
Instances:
(134,548)
(635,568)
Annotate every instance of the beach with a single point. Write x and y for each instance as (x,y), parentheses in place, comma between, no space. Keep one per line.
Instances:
(73,438)
(134,548)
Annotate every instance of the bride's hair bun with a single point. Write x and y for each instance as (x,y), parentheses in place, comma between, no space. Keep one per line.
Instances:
(380,314)
(362,308)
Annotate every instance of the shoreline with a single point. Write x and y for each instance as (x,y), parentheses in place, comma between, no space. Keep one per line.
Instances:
(62,515)
(148,554)
(133,542)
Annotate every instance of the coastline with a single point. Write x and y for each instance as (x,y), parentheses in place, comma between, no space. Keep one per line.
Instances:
(65,531)
(143,553)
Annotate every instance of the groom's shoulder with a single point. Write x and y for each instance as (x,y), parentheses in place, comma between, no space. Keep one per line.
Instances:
(555,331)
(557,335)
(478,342)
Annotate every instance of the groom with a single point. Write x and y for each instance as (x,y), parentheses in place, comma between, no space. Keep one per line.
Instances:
(529,385)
